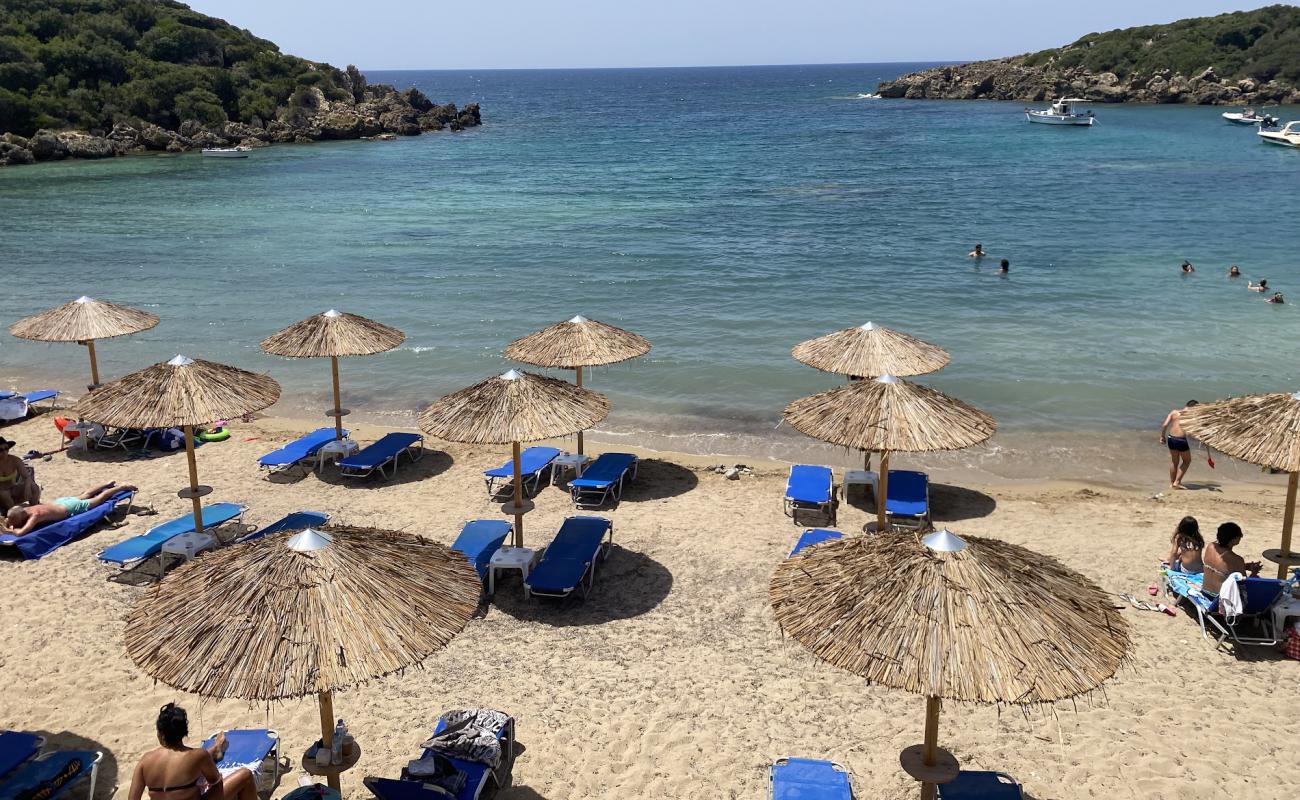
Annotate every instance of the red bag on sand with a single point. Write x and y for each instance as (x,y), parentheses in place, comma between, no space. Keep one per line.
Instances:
(1292,648)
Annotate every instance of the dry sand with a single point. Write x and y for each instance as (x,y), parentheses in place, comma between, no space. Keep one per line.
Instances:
(671,680)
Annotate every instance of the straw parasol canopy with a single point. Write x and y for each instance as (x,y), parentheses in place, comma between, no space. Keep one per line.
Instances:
(83,321)
(577,343)
(972,620)
(333,334)
(886,415)
(303,613)
(870,350)
(180,393)
(1260,429)
(514,407)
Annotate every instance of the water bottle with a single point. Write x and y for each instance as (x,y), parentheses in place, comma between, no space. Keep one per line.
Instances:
(336,746)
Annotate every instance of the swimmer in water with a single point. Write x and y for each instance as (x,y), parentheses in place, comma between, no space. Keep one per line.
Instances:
(1188,268)
(1233,272)
(1276,299)
(978,252)
(1004,267)
(1262,286)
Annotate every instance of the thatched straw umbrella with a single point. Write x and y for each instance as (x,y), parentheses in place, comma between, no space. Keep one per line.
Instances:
(868,351)
(1261,429)
(886,415)
(83,321)
(331,335)
(512,408)
(577,343)
(977,620)
(297,614)
(180,393)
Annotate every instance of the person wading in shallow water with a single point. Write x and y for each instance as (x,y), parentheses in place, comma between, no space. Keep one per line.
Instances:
(1180,450)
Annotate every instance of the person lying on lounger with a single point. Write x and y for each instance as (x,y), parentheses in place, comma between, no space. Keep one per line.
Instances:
(24,519)
(174,771)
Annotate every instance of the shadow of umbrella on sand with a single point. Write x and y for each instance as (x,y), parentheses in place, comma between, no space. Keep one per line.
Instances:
(83,321)
(302,613)
(975,620)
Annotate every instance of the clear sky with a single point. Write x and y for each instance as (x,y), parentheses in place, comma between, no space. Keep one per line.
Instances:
(482,34)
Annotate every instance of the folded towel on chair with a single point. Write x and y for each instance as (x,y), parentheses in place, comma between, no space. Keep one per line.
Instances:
(470,735)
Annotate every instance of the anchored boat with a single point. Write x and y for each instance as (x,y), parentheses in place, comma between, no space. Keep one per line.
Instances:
(227,152)
(1247,116)
(1288,136)
(1062,112)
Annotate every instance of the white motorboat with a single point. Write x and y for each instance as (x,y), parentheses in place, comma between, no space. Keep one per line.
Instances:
(227,152)
(1247,116)
(1062,112)
(1287,136)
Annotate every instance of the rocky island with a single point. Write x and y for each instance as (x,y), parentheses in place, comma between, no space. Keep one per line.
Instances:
(1242,58)
(117,77)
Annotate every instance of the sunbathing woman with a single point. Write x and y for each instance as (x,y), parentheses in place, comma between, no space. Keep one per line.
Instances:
(22,520)
(1185,547)
(176,772)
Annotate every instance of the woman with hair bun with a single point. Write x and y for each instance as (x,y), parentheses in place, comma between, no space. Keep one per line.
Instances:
(176,771)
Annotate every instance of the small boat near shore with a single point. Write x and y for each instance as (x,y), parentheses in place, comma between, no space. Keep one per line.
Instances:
(227,152)
(1287,136)
(1247,116)
(1062,112)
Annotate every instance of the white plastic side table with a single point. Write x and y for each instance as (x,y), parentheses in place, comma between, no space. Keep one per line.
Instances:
(861,477)
(566,461)
(520,558)
(188,545)
(335,450)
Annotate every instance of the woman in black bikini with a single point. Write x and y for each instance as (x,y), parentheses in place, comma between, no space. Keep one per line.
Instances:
(177,772)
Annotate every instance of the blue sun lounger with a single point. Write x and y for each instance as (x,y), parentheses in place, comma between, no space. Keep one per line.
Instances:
(148,545)
(16,749)
(296,521)
(814,536)
(809,779)
(250,748)
(603,480)
(51,776)
(33,398)
(532,463)
(383,455)
(47,539)
(300,451)
(569,562)
(908,497)
(478,777)
(1254,625)
(981,785)
(810,489)
(480,539)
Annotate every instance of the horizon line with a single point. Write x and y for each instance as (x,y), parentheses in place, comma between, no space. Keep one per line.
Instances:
(669,66)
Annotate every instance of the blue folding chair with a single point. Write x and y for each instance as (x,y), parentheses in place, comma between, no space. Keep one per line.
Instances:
(479,539)
(809,779)
(533,462)
(16,749)
(1254,625)
(301,451)
(48,538)
(383,455)
(569,561)
(907,498)
(809,489)
(603,480)
(250,748)
(51,776)
(478,778)
(981,785)
(814,536)
(147,545)
(297,521)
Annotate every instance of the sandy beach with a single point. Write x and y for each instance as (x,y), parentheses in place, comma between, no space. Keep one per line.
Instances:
(671,680)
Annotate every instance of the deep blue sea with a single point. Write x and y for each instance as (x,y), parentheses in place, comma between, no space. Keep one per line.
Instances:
(726,214)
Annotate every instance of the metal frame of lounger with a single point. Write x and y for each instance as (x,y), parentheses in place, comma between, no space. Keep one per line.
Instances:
(534,477)
(589,576)
(613,491)
(312,457)
(125,438)
(791,507)
(356,472)
(273,753)
(67,787)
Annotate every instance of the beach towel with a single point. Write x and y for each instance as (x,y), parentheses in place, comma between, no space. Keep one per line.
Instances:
(470,735)
(1230,601)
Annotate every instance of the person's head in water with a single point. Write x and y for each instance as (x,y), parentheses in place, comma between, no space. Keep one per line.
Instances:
(1005,266)
(1187,267)
(173,725)
(1263,283)
(1228,535)
(1234,272)
(979,248)
(1276,298)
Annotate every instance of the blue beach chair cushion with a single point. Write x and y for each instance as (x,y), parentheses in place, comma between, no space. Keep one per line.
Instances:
(148,545)
(50,776)
(607,470)
(246,747)
(16,749)
(476,774)
(296,521)
(531,461)
(814,536)
(809,779)
(479,540)
(379,454)
(980,785)
(809,485)
(570,556)
(49,538)
(300,449)
(907,494)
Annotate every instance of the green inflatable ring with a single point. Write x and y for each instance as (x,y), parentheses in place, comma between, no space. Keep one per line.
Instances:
(215,436)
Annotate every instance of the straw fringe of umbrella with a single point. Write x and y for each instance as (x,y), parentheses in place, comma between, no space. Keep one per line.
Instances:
(577,342)
(178,393)
(260,621)
(1261,429)
(995,623)
(515,407)
(333,334)
(870,351)
(82,320)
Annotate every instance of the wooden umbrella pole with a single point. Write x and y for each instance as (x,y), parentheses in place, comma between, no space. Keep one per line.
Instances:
(326,702)
(194,479)
(579,432)
(519,498)
(94,364)
(1288,520)
(883,491)
(929,790)
(338,407)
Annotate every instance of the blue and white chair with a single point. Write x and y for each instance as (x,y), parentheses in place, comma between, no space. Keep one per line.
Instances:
(533,463)
(809,779)
(302,452)
(383,455)
(810,489)
(568,564)
(603,480)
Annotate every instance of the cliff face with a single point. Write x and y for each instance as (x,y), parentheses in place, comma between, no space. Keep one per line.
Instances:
(1013,79)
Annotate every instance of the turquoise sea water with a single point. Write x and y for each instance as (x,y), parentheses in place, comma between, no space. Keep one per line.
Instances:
(725,213)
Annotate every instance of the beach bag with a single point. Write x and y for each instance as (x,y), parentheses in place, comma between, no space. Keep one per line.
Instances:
(171,439)
(1292,647)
